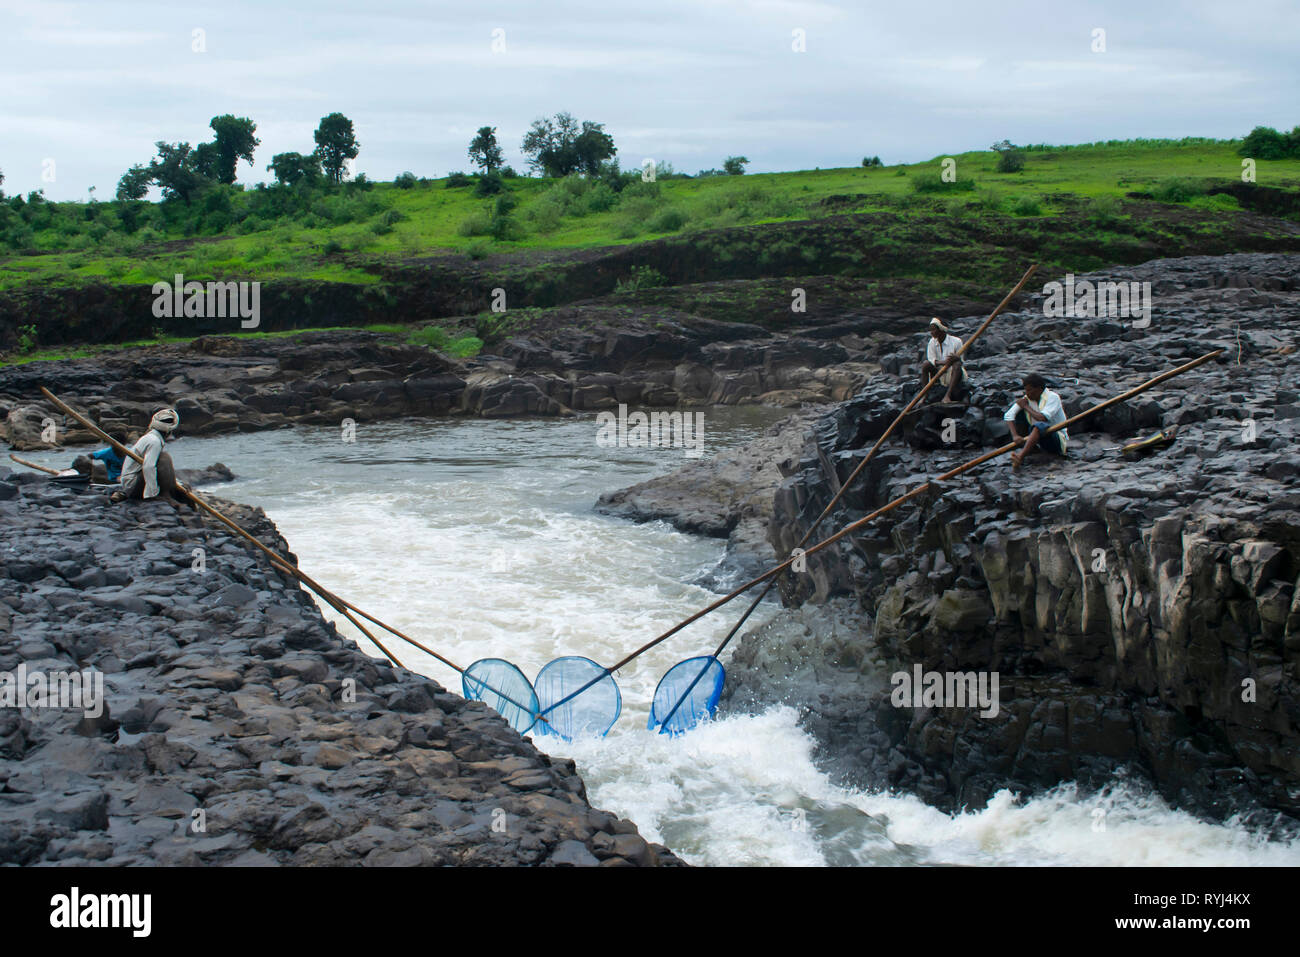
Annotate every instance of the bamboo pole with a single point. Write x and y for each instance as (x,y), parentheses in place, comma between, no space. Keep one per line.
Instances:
(33,465)
(329,597)
(854,526)
(278,561)
(839,494)
(916,401)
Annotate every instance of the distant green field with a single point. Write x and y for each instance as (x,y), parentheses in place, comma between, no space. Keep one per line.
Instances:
(347,236)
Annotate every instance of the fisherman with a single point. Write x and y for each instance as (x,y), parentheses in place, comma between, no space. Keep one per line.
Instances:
(1035,412)
(941,359)
(157,474)
(105,465)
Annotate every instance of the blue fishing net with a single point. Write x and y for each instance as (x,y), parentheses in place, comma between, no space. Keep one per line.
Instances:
(503,687)
(591,712)
(697,684)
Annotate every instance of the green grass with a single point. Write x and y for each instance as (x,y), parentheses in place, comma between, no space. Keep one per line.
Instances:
(84,351)
(351,238)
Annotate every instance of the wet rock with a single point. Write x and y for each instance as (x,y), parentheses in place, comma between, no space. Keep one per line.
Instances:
(1128,606)
(225,737)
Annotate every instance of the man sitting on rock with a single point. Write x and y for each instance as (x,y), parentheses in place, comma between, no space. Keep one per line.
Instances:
(1035,412)
(156,475)
(941,359)
(105,465)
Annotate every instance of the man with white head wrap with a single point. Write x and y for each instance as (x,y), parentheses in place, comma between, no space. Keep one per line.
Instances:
(941,359)
(156,475)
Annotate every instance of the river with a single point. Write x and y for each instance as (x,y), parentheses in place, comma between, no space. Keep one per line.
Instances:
(478,538)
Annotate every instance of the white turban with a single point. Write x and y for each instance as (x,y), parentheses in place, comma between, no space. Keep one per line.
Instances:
(165,421)
(935,322)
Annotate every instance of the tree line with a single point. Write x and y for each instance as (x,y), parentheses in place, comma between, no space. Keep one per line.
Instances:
(181,172)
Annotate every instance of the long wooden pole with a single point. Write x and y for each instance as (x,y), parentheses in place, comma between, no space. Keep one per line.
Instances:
(333,600)
(916,400)
(33,465)
(340,605)
(844,487)
(854,526)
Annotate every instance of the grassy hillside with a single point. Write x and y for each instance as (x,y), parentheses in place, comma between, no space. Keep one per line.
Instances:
(355,235)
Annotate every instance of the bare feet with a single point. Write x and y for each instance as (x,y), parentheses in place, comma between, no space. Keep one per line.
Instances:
(1016,459)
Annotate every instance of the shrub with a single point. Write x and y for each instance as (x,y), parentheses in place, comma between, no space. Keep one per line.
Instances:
(457,180)
(1011,161)
(26,339)
(667,220)
(1177,189)
(1027,206)
(405,180)
(642,277)
(1219,201)
(641,189)
(601,198)
(489,184)
(431,336)
(478,249)
(1104,210)
(477,224)
(505,228)
(934,183)
(465,347)
(545,216)
(505,203)
(871,162)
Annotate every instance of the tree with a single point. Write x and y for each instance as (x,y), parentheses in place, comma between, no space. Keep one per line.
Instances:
(234,141)
(560,146)
(1011,161)
(175,172)
(870,162)
(1264,143)
(484,151)
(206,160)
(290,169)
(336,143)
(134,183)
(734,165)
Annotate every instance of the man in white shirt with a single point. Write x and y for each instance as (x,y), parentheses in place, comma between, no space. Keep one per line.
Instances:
(156,475)
(941,359)
(1035,412)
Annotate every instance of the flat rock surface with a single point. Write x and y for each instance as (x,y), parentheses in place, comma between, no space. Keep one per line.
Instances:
(240,727)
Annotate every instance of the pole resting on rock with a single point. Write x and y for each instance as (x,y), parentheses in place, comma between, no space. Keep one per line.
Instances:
(345,608)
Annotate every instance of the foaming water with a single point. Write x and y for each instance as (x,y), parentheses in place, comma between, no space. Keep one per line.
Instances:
(478,538)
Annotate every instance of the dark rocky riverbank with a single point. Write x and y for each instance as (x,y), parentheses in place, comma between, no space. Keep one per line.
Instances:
(1143,616)
(240,727)
(596,358)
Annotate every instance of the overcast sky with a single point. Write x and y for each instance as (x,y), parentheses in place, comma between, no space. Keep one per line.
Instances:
(91,84)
